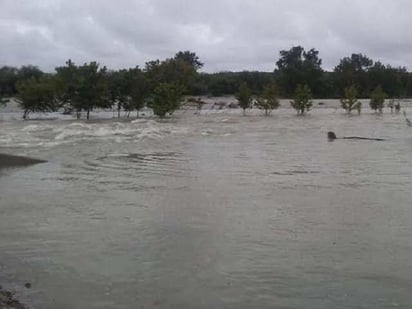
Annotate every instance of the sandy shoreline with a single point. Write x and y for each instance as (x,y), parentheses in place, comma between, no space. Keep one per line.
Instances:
(7,161)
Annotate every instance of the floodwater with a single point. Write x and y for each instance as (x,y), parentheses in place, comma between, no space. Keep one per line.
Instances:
(209,211)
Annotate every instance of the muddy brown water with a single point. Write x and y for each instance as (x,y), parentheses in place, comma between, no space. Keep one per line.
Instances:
(209,211)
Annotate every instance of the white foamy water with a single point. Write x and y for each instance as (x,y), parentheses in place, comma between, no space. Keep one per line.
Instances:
(209,211)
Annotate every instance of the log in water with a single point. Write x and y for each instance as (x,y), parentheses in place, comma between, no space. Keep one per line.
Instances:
(332,136)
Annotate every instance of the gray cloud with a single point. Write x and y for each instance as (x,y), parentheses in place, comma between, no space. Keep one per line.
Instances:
(226,34)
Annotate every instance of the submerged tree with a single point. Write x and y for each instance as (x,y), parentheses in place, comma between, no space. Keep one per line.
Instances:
(268,100)
(244,96)
(377,100)
(36,95)
(302,101)
(166,98)
(350,102)
(139,89)
(83,87)
(119,90)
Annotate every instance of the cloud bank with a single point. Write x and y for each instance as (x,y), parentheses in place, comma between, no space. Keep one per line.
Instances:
(226,34)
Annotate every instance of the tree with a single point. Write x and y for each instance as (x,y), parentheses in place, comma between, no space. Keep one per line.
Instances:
(8,80)
(36,95)
(28,72)
(302,101)
(350,101)
(353,71)
(119,88)
(166,98)
(66,86)
(169,71)
(244,96)
(83,87)
(139,89)
(377,100)
(189,58)
(296,66)
(268,99)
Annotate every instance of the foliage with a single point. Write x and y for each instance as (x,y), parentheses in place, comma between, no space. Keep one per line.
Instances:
(166,98)
(173,70)
(296,66)
(350,101)
(119,89)
(268,99)
(36,95)
(190,58)
(82,87)
(139,89)
(302,101)
(244,96)
(353,71)
(377,100)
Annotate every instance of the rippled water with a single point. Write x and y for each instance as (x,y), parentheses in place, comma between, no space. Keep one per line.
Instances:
(210,211)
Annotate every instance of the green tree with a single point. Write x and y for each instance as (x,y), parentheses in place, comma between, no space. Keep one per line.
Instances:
(302,101)
(169,71)
(66,86)
(83,87)
(28,72)
(350,101)
(166,98)
(8,80)
(296,66)
(377,100)
(353,70)
(139,89)
(119,89)
(244,96)
(190,58)
(36,95)
(268,100)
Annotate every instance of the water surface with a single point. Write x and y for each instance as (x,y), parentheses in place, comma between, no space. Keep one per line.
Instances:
(210,211)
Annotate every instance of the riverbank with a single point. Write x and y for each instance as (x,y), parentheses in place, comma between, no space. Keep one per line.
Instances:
(7,301)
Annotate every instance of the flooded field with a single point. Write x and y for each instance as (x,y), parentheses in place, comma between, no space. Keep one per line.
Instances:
(209,211)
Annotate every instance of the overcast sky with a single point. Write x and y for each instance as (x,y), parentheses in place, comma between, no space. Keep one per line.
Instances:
(226,34)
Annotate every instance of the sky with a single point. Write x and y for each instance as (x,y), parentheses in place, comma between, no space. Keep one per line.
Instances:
(227,35)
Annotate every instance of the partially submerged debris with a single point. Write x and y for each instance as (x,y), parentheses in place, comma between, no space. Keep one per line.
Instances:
(332,136)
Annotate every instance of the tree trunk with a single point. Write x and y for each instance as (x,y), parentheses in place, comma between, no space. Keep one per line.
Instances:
(25,114)
(88,114)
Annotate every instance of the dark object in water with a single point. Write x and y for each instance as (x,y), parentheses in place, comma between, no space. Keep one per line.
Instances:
(332,136)
(408,122)
(27,285)
(15,161)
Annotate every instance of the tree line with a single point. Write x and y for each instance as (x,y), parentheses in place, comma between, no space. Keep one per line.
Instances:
(160,84)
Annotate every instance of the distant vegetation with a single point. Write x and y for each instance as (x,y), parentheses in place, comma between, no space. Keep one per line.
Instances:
(161,84)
